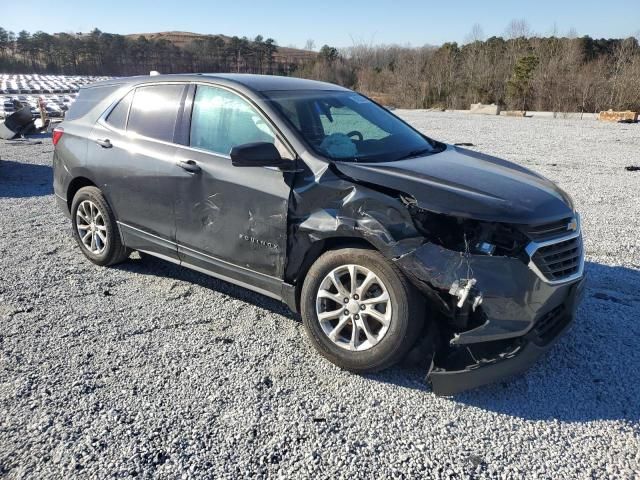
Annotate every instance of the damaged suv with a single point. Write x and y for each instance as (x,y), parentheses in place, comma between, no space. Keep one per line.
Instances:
(382,238)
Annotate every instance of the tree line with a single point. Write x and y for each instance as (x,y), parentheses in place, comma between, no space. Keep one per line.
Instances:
(518,71)
(99,53)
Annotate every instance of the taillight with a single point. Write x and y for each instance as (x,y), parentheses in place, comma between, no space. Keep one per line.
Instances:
(57,135)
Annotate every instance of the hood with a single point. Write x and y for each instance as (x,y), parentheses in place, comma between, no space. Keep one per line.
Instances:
(469,184)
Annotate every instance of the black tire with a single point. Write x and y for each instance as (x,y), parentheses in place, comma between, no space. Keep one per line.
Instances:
(114,251)
(407,307)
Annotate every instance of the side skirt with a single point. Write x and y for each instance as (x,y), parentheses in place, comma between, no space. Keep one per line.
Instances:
(255,281)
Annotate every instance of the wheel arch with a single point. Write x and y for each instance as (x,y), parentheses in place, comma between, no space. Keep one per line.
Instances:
(314,251)
(76,184)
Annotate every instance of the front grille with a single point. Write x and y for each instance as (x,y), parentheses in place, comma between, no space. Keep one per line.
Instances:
(546,231)
(549,325)
(559,261)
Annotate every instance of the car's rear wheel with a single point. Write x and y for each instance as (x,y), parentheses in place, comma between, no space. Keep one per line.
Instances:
(95,229)
(359,310)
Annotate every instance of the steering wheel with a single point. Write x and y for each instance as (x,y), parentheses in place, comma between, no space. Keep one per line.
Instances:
(356,133)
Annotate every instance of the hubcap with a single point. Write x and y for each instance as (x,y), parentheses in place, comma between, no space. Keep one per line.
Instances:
(91,227)
(353,307)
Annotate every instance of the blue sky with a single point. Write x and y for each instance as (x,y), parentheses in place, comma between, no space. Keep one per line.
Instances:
(338,23)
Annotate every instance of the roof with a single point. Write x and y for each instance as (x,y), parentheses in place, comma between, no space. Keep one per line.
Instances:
(263,83)
(259,83)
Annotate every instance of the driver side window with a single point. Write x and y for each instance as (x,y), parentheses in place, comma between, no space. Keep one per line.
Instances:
(222,120)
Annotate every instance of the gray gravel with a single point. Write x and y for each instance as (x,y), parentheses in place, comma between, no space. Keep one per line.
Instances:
(150,370)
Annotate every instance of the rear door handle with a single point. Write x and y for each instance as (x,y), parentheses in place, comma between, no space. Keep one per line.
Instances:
(104,142)
(189,166)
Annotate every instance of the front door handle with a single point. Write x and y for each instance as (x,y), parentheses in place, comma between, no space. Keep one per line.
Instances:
(104,142)
(189,166)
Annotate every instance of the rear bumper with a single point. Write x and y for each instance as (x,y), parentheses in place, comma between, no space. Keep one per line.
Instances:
(61,180)
(512,357)
(62,205)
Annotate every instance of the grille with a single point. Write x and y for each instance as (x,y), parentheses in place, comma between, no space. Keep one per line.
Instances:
(546,231)
(550,324)
(559,261)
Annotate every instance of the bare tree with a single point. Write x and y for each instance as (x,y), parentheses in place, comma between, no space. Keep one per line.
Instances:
(476,34)
(518,28)
(473,64)
(622,57)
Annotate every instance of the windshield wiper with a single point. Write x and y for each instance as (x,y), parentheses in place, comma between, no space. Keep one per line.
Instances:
(416,153)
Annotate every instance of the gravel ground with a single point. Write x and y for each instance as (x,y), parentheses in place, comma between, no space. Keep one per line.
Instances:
(150,370)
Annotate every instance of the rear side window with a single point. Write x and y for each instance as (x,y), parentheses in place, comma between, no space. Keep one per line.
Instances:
(118,116)
(222,120)
(88,99)
(154,111)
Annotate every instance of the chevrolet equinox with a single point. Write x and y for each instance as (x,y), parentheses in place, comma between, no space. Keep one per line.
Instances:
(380,237)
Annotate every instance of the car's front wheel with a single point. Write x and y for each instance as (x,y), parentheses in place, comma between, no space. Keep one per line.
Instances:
(95,229)
(359,310)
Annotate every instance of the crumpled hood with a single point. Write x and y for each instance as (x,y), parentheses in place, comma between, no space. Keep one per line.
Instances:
(469,184)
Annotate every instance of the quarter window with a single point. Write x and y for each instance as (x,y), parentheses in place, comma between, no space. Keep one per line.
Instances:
(154,111)
(222,120)
(88,98)
(118,116)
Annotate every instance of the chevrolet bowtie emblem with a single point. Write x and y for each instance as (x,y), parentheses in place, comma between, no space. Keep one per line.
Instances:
(573,225)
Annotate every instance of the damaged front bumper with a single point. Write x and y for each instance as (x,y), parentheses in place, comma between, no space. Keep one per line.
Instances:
(507,358)
(520,317)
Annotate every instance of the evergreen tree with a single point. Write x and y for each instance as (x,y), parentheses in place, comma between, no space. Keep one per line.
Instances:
(519,86)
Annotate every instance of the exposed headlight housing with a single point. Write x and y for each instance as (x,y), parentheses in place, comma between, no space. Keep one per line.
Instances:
(468,235)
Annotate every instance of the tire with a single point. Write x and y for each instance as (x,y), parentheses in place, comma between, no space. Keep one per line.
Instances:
(385,346)
(92,205)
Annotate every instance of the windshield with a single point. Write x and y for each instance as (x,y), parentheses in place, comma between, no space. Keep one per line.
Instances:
(344,125)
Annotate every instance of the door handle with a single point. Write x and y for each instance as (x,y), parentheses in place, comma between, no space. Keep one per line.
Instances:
(189,166)
(104,142)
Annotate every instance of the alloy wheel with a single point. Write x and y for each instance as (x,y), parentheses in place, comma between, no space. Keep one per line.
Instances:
(353,307)
(91,227)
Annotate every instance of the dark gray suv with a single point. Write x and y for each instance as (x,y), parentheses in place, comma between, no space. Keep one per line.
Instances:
(383,239)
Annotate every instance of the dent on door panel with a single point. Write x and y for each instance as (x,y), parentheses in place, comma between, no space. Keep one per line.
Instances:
(254,238)
(232,214)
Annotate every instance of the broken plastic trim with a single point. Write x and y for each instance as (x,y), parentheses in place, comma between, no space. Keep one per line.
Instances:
(466,369)
(461,289)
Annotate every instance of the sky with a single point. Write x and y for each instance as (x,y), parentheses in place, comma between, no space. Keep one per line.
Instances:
(337,23)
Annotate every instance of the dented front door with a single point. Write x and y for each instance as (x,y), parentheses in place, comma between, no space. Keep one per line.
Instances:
(229,217)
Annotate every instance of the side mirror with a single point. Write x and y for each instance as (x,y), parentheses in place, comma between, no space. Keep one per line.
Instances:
(257,154)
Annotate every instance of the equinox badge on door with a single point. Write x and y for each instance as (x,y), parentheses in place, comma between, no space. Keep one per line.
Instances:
(257,241)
